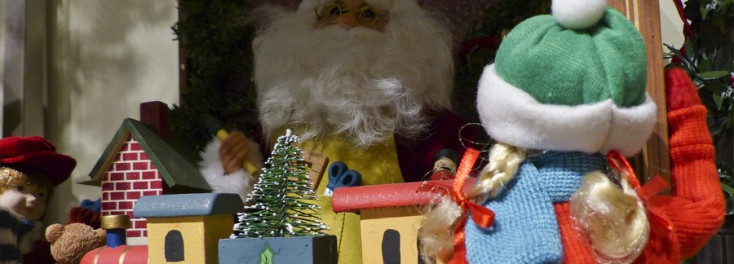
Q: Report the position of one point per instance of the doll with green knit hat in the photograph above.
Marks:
(565, 100)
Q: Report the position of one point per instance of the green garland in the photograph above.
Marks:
(216, 38)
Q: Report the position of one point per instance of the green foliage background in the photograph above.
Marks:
(480, 46)
(216, 38)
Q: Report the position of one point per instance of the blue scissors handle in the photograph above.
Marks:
(341, 176)
(349, 178)
(335, 169)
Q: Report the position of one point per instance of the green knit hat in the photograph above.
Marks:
(557, 65)
(577, 72)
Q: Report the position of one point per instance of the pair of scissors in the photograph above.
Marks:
(341, 176)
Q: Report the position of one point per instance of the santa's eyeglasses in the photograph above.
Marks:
(329, 13)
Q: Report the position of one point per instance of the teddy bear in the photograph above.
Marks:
(69, 243)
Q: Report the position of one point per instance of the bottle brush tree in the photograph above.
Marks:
(279, 204)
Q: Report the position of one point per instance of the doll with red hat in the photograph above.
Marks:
(29, 169)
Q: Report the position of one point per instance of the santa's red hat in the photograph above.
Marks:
(36, 154)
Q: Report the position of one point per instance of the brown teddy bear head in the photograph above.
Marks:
(69, 243)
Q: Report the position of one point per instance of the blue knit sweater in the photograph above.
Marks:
(525, 228)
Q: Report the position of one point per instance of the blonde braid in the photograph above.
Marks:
(612, 216)
(503, 163)
(437, 232)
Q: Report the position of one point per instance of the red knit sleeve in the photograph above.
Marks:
(697, 206)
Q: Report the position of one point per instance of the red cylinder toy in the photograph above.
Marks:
(123, 254)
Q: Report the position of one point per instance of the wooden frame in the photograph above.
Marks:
(645, 14)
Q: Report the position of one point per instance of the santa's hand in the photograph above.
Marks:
(233, 152)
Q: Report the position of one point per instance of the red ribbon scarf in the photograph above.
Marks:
(480, 214)
(662, 244)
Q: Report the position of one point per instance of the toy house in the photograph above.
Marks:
(390, 217)
(185, 228)
(136, 163)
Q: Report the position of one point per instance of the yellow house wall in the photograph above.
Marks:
(192, 231)
(200, 235)
(405, 220)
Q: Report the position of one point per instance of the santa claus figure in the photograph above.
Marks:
(367, 83)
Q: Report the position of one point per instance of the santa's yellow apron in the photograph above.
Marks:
(378, 164)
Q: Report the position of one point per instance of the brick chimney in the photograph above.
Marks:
(155, 113)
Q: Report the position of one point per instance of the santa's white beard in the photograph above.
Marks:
(360, 84)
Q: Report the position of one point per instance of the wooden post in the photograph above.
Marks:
(183, 79)
(645, 14)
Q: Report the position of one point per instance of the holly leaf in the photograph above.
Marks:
(676, 53)
(728, 189)
(266, 257)
(718, 100)
(712, 75)
(690, 49)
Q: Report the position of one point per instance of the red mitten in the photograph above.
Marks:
(679, 89)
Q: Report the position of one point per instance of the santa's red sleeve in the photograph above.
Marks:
(696, 208)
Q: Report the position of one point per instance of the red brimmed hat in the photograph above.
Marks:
(36, 154)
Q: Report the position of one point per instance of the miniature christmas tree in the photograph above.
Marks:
(278, 205)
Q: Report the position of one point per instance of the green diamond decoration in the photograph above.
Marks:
(266, 257)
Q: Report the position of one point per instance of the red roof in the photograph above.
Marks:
(390, 195)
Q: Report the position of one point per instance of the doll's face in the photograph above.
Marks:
(26, 201)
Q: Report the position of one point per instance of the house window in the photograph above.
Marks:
(174, 248)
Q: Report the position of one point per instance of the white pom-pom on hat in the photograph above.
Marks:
(578, 14)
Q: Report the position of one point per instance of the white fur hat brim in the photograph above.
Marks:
(512, 116)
